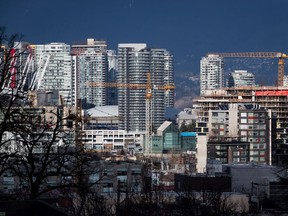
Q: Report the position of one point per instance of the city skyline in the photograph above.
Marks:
(188, 29)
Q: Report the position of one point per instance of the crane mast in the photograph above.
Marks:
(148, 101)
(148, 119)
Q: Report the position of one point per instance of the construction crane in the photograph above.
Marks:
(148, 119)
(41, 68)
(17, 72)
(148, 99)
(279, 55)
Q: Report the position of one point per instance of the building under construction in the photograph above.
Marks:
(273, 98)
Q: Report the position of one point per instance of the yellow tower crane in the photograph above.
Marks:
(279, 55)
(148, 98)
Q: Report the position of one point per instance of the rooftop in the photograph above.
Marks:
(103, 111)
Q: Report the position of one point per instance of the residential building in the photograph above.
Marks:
(228, 152)
(211, 73)
(169, 78)
(201, 128)
(241, 122)
(91, 71)
(135, 63)
(255, 128)
(54, 69)
(186, 117)
(133, 67)
(162, 74)
(118, 176)
(112, 93)
(241, 78)
(271, 98)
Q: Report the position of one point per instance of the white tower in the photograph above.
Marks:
(211, 73)
(55, 68)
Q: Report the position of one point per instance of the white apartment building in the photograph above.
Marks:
(54, 69)
(211, 73)
(135, 61)
(113, 141)
(91, 69)
(131, 102)
(169, 78)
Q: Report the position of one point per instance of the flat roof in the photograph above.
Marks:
(103, 111)
(188, 134)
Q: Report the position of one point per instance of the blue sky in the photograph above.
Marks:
(187, 28)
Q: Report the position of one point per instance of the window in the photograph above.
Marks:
(261, 121)
(255, 127)
(243, 127)
(243, 114)
(261, 146)
(250, 120)
(121, 173)
(255, 133)
(244, 139)
(243, 120)
(262, 159)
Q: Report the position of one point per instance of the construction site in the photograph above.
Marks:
(274, 98)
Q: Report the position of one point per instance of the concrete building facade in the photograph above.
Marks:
(271, 98)
(241, 78)
(91, 69)
(131, 102)
(112, 93)
(135, 62)
(186, 117)
(242, 123)
(211, 73)
(54, 69)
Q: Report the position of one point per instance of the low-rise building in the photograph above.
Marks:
(122, 176)
(188, 141)
(186, 117)
(113, 141)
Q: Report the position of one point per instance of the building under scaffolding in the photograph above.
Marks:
(273, 98)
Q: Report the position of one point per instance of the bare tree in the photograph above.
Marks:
(37, 143)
